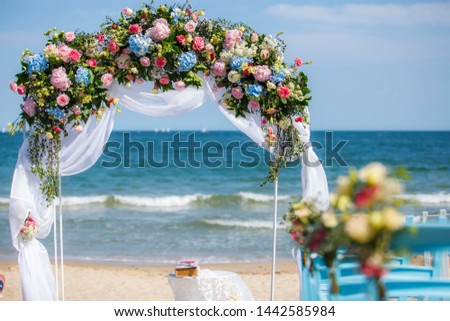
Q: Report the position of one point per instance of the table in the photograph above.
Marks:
(210, 286)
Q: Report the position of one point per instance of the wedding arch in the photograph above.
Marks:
(157, 61)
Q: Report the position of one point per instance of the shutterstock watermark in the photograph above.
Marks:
(188, 151)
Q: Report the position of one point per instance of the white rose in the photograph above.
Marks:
(358, 228)
(393, 220)
(234, 76)
(373, 173)
(329, 219)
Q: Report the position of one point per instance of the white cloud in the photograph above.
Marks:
(437, 13)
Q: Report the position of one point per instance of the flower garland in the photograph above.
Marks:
(68, 81)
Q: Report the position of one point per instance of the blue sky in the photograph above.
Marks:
(378, 65)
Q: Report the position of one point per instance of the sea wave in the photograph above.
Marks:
(254, 224)
(429, 199)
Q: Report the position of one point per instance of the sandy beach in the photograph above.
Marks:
(108, 282)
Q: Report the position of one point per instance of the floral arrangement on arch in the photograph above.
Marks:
(28, 230)
(67, 82)
(362, 218)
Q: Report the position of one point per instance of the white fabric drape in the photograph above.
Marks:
(80, 151)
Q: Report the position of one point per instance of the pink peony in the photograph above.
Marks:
(139, 81)
(70, 36)
(78, 128)
(180, 84)
(51, 50)
(190, 26)
(21, 90)
(160, 62)
(181, 39)
(237, 92)
(298, 62)
(123, 61)
(134, 28)
(254, 37)
(113, 47)
(253, 104)
(76, 110)
(126, 51)
(62, 100)
(29, 107)
(219, 68)
(92, 63)
(232, 37)
(13, 86)
(100, 38)
(209, 48)
(75, 55)
(265, 54)
(64, 52)
(145, 61)
(198, 44)
(160, 30)
(262, 73)
(164, 80)
(106, 79)
(283, 92)
(59, 79)
(127, 12)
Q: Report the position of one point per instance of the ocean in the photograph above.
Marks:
(148, 202)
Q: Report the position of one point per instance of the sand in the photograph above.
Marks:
(107, 282)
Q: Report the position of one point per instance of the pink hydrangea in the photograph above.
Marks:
(64, 52)
(284, 92)
(253, 104)
(13, 86)
(219, 68)
(262, 73)
(232, 37)
(29, 107)
(180, 84)
(123, 61)
(107, 79)
(237, 92)
(59, 79)
(190, 26)
(62, 100)
(70, 36)
(160, 30)
(198, 44)
(145, 61)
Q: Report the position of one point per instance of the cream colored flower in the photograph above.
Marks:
(303, 212)
(393, 220)
(329, 219)
(376, 220)
(344, 185)
(358, 228)
(373, 173)
(343, 202)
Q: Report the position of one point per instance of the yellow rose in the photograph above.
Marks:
(358, 228)
(393, 220)
(373, 173)
(49, 135)
(376, 220)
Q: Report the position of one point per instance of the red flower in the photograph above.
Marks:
(113, 47)
(317, 239)
(283, 92)
(134, 28)
(198, 44)
(181, 39)
(110, 101)
(114, 26)
(100, 38)
(188, 12)
(75, 55)
(213, 56)
(56, 129)
(160, 62)
(374, 271)
(366, 196)
(298, 62)
(298, 119)
(92, 63)
(21, 90)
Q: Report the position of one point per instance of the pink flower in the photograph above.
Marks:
(75, 55)
(195, 16)
(70, 36)
(209, 48)
(198, 44)
(180, 84)
(113, 47)
(139, 81)
(100, 38)
(298, 119)
(181, 39)
(29, 107)
(271, 111)
(265, 53)
(160, 30)
(237, 92)
(134, 28)
(62, 100)
(190, 26)
(64, 52)
(253, 104)
(127, 12)
(262, 73)
(283, 92)
(56, 129)
(92, 63)
(21, 90)
(254, 37)
(13, 86)
(219, 68)
(123, 61)
(298, 62)
(59, 79)
(129, 77)
(144, 61)
(78, 128)
(160, 62)
(76, 110)
(270, 131)
(51, 50)
(264, 121)
(164, 80)
(232, 37)
(106, 79)
(126, 51)
(372, 270)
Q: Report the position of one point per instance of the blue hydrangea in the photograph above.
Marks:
(140, 44)
(83, 76)
(255, 90)
(278, 77)
(37, 63)
(237, 61)
(176, 15)
(187, 61)
(56, 113)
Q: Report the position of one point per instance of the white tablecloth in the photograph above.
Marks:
(210, 286)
